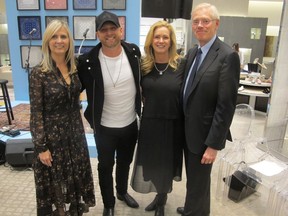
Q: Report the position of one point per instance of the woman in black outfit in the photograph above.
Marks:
(159, 153)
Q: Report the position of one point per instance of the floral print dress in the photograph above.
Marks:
(56, 125)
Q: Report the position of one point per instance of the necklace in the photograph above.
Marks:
(161, 71)
(65, 74)
(114, 83)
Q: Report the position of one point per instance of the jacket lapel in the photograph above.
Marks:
(209, 59)
(190, 59)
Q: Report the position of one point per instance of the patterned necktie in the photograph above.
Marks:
(192, 76)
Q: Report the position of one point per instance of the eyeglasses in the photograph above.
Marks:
(204, 22)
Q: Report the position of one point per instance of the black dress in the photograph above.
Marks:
(159, 153)
(56, 125)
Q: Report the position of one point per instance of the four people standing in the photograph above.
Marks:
(209, 101)
(159, 153)
(110, 73)
(61, 165)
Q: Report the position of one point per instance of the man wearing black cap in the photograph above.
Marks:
(110, 73)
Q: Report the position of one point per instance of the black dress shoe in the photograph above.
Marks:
(180, 210)
(129, 200)
(159, 211)
(159, 199)
(108, 212)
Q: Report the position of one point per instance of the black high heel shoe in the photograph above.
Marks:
(158, 198)
(159, 210)
(60, 212)
(78, 210)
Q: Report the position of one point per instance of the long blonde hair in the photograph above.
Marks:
(47, 62)
(149, 59)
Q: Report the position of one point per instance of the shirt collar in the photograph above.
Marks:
(207, 46)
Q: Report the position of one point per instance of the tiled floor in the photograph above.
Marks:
(17, 192)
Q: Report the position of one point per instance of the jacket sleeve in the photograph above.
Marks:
(226, 101)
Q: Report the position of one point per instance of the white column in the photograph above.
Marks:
(278, 110)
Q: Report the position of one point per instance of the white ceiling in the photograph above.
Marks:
(252, 8)
(270, 9)
(267, 0)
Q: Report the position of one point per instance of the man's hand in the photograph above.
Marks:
(209, 156)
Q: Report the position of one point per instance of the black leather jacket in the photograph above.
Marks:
(90, 74)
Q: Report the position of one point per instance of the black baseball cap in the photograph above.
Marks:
(104, 17)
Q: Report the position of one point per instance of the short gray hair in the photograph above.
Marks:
(213, 10)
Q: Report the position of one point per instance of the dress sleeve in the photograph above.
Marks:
(36, 90)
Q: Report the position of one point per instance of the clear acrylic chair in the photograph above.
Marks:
(260, 185)
(241, 131)
(273, 171)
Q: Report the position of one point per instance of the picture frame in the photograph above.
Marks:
(26, 24)
(122, 21)
(56, 4)
(48, 19)
(84, 49)
(114, 4)
(81, 24)
(28, 5)
(35, 55)
(84, 5)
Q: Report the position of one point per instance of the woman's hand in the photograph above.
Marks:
(46, 158)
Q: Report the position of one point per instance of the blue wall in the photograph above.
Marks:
(20, 77)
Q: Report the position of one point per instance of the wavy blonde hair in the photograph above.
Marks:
(47, 62)
(148, 60)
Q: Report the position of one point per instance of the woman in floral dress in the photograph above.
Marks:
(62, 169)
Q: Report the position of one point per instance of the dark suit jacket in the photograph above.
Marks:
(212, 99)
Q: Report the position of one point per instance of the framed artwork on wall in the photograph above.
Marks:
(114, 4)
(84, 24)
(35, 55)
(122, 21)
(84, 49)
(48, 19)
(29, 27)
(28, 5)
(55, 4)
(84, 4)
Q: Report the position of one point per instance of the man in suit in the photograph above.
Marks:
(209, 100)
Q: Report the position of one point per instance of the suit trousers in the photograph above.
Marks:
(197, 201)
(114, 143)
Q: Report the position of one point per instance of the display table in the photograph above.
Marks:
(253, 90)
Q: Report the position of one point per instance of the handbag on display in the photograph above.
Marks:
(242, 183)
